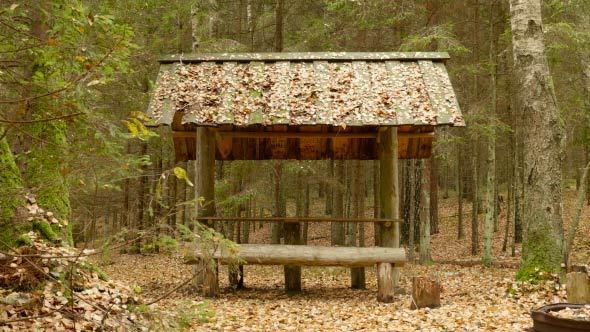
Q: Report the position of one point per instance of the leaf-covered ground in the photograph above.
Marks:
(474, 298)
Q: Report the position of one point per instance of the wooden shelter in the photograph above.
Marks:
(307, 106)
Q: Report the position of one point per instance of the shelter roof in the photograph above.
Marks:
(344, 89)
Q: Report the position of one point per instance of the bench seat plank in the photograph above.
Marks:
(280, 254)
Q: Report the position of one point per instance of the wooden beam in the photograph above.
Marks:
(389, 199)
(280, 254)
(274, 134)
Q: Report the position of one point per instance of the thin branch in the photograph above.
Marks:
(42, 120)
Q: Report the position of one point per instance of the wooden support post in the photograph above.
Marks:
(292, 272)
(388, 275)
(205, 189)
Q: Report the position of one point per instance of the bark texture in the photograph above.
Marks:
(543, 140)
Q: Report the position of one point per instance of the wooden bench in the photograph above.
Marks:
(385, 258)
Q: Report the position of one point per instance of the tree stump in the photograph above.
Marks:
(578, 287)
(425, 293)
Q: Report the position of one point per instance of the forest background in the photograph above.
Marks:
(76, 78)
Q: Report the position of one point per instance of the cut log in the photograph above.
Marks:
(269, 254)
(425, 293)
(578, 288)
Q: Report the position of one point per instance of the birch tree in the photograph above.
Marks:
(543, 140)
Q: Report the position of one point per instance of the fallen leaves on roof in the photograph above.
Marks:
(348, 93)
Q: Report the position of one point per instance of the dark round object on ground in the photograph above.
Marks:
(544, 322)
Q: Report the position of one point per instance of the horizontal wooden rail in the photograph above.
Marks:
(297, 219)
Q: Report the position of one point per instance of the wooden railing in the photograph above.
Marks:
(387, 222)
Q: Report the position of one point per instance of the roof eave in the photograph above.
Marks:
(305, 56)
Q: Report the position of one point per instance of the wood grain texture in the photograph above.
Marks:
(271, 254)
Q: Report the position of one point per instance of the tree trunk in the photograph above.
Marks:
(544, 139)
(474, 212)
(376, 202)
(337, 228)
(460, 227)
(491, 195)
(434, 169)
(357, 274)
(306, 213)
(425, 257)
(277, 202)
(330, 189)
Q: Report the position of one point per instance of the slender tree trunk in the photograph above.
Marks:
(141, 195)
(460, 226)
(357, 274)
(425, 257)
(306, 212)
(491, 195)
(434, 169)
(571, 236)
(544, 141)
(330, 189)
(376, 202)
(279, 15)
(510, 183)
(337, 228)
(474, 210)
(276, 226)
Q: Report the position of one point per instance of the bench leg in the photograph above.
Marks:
(385, 286)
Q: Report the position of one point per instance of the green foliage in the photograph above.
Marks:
(186, 234)
(165, 243)
(208, 241)
(437, 38)
(180, 173)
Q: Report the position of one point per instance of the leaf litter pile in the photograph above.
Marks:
(47, 285)
(473, 297)
(582, 313)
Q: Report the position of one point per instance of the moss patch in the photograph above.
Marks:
(45, 229)
(541, 252)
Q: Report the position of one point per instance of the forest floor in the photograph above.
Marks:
(474, 298)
